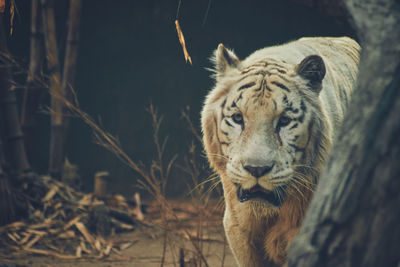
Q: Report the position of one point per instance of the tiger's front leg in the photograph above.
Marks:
(245, 251)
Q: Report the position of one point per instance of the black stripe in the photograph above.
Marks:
(274, 63)
(282, 77)
(225, 133)
(261, 86)
(262, 72)
(284, 99)
(301, 118)
(281, 71)
(274, 104)
(294, 126)
(225, 143)
(294, 146)
(248, 70)
(223, 104)
(303, 106)
(227, 122)
(246, 86)
(240, 97)
(233, 104)
(297, 149)
(281, 86)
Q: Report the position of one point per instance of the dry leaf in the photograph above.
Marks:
(25, 239)
(32, 242)
(86, 200)
(36, 232)
(67, 234)
(50, 253)
(182, 41)
(82, 228)
(72, 222)
(138, 210)
(126, 245)
(12, 237)
(78, 252)
(12, 226)
(50, 194)
(84, 248)
(2, 5)
(97, 245)
(108, 249)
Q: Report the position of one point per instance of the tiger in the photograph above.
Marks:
(268, 125)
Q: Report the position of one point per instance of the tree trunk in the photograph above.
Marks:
(34, 88)
(15, 154)
(354, 218)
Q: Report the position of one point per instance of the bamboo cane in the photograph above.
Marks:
(58, 89)
(57, 129)
(33, 90)
(15, 154)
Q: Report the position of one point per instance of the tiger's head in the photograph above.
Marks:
(263, 128)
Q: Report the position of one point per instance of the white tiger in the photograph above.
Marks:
(268, 126)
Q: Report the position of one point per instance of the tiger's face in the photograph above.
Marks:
(263, 124)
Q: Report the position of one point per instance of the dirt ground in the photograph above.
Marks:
(146, 244)
(146, 251)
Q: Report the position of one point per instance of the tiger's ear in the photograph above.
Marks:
(224, 60)
(312, 68)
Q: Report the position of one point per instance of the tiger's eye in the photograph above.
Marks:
(237, 118)
(284, 121)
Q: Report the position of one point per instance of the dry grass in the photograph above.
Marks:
(154, 177)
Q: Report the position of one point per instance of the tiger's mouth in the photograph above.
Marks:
(275, 197)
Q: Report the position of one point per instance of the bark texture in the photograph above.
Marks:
(354, 217)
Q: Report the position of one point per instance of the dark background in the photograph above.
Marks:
(130, 56)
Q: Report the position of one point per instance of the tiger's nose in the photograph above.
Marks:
(258, 171)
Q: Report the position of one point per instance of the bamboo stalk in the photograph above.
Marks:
(14, 150)
(71, 53)
(57, 131)
(100, 184)
(15, 154)
(33, 90)
(60, 89)
(69, 70)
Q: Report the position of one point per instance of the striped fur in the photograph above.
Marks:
(280, 107)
